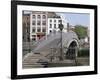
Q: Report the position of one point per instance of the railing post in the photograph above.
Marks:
(76, 52)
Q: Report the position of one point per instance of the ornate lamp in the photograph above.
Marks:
(61, 28)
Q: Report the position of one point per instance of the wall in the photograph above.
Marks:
(5, 29)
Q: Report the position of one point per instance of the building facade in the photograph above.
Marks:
(53, 25)
(26, 27)
(38, 25)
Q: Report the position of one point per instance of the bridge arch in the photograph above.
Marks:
(71, 47)
(72, 50)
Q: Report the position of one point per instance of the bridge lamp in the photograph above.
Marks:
(61, 28)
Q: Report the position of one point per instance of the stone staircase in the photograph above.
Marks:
(31, 61)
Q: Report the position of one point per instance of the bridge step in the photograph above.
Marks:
(33, 66)
(30, 61)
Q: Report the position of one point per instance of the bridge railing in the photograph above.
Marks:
(68, 54)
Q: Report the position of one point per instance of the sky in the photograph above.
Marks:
(76, 18)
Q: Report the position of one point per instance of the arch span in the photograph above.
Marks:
(71, 52)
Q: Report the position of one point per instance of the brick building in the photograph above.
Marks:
(26, 27)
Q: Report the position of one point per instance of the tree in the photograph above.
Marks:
(81, 31)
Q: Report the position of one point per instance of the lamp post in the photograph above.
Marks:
(61, 28)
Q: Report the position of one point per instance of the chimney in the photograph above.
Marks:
(68, 27)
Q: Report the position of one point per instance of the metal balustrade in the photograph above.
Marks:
(70, 54)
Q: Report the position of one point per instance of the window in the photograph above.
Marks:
(34, 16)
(34, 36)
(50, 31)
(44, 30)
(38, 30)
(60, 21)
(38, 22)
(33, 23)
(50, 20)
(54, 20)
(33, 30)
(44, 16)
(54, 25)
(33, 39)
(50, 25)
(39, 17)
(44, 23)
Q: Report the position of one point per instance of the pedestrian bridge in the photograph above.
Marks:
(49, 48)
(54, 41)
